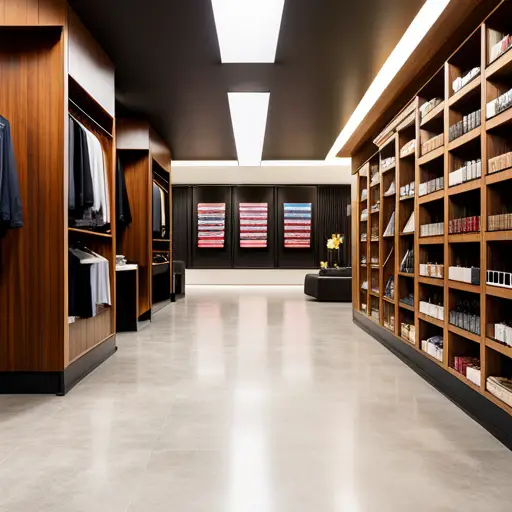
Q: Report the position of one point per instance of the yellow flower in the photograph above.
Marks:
(330, 243)
(323, 264)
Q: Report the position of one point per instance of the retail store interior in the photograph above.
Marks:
(255, 255)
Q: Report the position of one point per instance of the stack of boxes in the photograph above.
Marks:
(465, 125)
(471, 170)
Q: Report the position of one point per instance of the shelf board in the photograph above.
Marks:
(406, 198)
(465, 237)
(408, 155)
(431, 155)
(375, 266)
(160, 264)
(406, 306)
(501, 64)
(390, 195)
(464, 334)
(498, 291)
(499, 347)
(464, 379)
(436, 112)
(388, 236)
(465, 187)
(433, 196)
(428, 356)
(498, 236)
(374, 293)
(160, 240)
(431, 320)
(89, 232)
(464, 287)
(374, 212)
(436, 281)
(387, 299)
(362, 265)
(409, 342)
(464, 139)
(406, 274)
(374, 184)
(475, 83)
(498, 176)
(431, 240)
(409, 233)
(390, 168)
(502, 118)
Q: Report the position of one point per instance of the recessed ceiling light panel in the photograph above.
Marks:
(249, 118)
(248, 30)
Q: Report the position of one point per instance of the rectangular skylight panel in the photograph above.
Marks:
(249, 118)
(248, 30)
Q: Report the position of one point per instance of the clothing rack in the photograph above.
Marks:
(88, 117)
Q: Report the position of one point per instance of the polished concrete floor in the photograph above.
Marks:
(249, 400)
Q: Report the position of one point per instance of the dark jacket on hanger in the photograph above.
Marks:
(157, 210)
(11, 214)
(123, 211)
(81, 170)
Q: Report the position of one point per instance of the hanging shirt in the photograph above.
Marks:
(157, 210)
(11, 214)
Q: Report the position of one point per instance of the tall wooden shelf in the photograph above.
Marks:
(488, 195)
(145, 157)
(51, 66)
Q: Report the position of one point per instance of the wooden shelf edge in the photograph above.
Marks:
(475, 83)
(91, 348)
(467, 186)
(498, 176)
(435, 281)
(464, 139)
(465, 287)
(406, 306)
(498, 347)
(433, 114)
(431, 155)
(463, 333)
(406, 274)
(498, 236)
(426, 240)
(499, 119)
(433, 196)
(498, 64)
(90, 233)
(498, 291)
(431, 320)
(465, 238)
(387, 299)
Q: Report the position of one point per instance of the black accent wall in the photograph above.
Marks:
(329, 215)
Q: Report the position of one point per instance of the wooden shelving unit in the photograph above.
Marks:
(484, 196)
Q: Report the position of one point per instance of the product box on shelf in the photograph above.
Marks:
(502, 333)
(408, 148)
(501, 222)
(470, 275)
(501, 279)
(499, 163)
(434, 229)
(432, 270)
(432, 310)
(460, 82)
(466, 321)
(434, 347)
(464, 225)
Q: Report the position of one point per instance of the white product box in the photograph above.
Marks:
(474, 375)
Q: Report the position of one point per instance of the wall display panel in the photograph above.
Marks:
(296, 227)
(332, 218)
(211, 234)
(211, 221)
(253, 219)
(254, 257)
(181, 223)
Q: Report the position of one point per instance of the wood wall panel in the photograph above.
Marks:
(135, 241)
(89, 65)
(87, 333)
(33, 12)
(32, 258)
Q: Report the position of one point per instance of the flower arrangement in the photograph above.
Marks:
(333, 244)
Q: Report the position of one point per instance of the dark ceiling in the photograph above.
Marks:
(168, 68)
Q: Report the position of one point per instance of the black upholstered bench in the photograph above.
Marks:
(330, 285)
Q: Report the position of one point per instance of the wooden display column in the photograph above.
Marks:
(43, 56)
(144, 155)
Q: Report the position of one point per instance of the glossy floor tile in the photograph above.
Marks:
(249, 399)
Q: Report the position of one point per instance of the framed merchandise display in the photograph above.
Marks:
(253, 225)
(211, 220)
(297, 225)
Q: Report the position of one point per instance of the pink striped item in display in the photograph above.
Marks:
(253, 225)
(211, 221)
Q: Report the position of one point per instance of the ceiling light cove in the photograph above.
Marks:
(248, 30)
(249, 118)
(413, 36)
